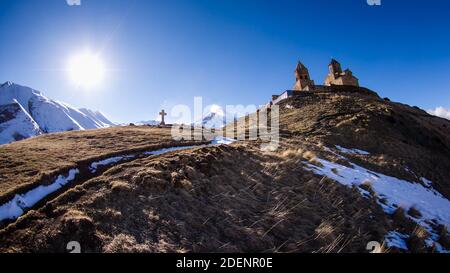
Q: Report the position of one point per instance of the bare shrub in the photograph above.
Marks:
(399, 214)
(413, 212)
(312, 158)
(416, 241)
(368, 186)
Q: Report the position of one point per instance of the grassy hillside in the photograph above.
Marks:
(318, 192)
(25, 164)
(402, 140)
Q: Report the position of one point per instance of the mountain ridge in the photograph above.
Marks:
(33, 108)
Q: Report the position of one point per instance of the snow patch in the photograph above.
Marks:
(432, 242)
(395, 192)
(215, 141)
(396, 239)
(222, 140)
(167, 150)
(112, 160)
(407, 169)
(392, 193)
(351, 151)
(427, 182)
(16, 207)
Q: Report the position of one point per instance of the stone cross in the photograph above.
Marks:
(163, 113)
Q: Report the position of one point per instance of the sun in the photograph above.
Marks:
(86, 70)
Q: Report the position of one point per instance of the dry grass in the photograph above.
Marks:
(216, 199)
(232, 198)
(35, 160)
(120, 187)
(395, 134)
(75, 217)
(324, 230)
(416, 241)
(124, 243)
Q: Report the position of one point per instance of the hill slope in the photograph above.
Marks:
(351, 168)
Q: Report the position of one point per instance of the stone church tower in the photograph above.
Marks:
(303, 80)
(337, 77)
(335, 68)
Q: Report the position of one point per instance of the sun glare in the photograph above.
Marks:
(86, 70)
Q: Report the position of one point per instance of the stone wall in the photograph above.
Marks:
(323, 88)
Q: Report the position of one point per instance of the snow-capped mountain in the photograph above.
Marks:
(16, 123)
(214, 118)
(25, 112)
(141, 123)
(98, 117)
(148, 122)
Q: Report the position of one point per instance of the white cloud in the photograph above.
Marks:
(440, 112)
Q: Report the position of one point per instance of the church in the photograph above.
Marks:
(336, 77)
(303, 81)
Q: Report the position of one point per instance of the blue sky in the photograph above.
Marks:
(162, 53)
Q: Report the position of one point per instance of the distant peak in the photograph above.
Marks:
(216, 109)
(13, 85)
(8, 83)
